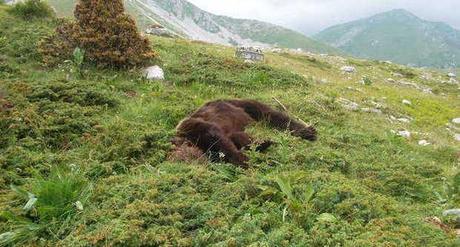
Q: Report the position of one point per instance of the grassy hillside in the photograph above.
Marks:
(398, 36)
(101, 141)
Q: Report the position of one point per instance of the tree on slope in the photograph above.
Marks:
(107, 34)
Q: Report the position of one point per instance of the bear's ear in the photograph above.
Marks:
(178, 141)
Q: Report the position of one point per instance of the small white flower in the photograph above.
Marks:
(79, 205)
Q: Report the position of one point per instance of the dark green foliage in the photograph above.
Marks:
(50, 115)
(71, 94)
(30, 9)
(6, 68)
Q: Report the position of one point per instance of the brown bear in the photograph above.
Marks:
(217, 129)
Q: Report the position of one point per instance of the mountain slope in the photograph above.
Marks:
(186, 20)
(397, 36)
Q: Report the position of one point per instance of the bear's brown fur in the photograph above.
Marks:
(217, 129)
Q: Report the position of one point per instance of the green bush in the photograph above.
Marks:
(49, 208)
(367, 81)
(32, 9)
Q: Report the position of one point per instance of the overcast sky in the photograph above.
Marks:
(311, 16)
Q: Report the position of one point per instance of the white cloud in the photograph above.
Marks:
(310, 16)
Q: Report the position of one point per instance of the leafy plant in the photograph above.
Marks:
(367, 81)
(451, 192)
(50, 207)
(78, 57)
(32, 9)
(296, 203)
(2, 42)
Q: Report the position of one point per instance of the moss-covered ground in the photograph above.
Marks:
(359, 185)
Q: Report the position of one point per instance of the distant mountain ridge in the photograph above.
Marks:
(398, 36)
(185, 19)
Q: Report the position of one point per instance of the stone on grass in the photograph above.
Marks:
(372, 110)
(424, 143)
(452, 212)
(456, 120)
(349, 105)
(154, 73)
(406, 102)
(452, 81)
(404, 120)
(404, 133)
(348, 69)
(452, 75)
(457, 137)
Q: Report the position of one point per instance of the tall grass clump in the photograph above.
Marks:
(32, 9)
(108, 36)
(50, 205)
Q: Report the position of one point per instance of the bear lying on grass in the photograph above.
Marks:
(217, 129)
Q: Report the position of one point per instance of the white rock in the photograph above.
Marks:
(457, 137)
(371, 110)
(424, 143)
(451, 75)
(404, 120)
(406, 102)
(391, 80)
(348, 69)
(456, 120)
(154, 73)
(352, 106)
(427, 90)
(451, 212)
(452, 81)
(404, 133)
(348, 104)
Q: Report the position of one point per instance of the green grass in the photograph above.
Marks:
(49, 209)
(360, 184)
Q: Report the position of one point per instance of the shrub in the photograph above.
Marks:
(32, 9)
(367, 81)
(49, 209)
(109, 37)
